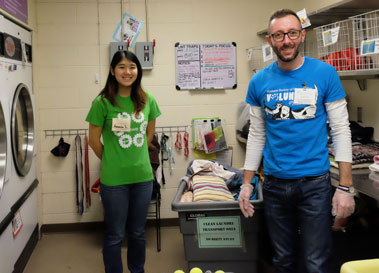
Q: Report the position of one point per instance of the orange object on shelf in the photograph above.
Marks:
(348, 59)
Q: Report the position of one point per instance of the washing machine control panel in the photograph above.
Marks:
(12, 48)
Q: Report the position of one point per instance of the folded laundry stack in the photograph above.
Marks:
(210, 180)
(363, 155)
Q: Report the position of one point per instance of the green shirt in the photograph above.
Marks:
(125, 158)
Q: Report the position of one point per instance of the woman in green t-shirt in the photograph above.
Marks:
(124, 115)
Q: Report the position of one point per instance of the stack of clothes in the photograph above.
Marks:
(210, 180)
(363, 155)
(364, 147)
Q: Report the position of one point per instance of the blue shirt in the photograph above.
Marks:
(296, 132)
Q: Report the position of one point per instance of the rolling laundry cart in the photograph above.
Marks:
(217, 236)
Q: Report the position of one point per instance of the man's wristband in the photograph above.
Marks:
(346, 189)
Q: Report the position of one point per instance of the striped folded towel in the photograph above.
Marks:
(210, 188)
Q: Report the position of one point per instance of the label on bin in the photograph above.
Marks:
(219, 232)
(192, 216)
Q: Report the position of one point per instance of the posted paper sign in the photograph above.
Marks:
(132, 28)
(330, 36)
(206, 66)
(267, 53)
(17, 8)
(369, 47)
(305, 22)
(219, 232)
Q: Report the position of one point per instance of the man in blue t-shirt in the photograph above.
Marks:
(290, 101)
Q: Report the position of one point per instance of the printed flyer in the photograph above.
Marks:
(132, 28)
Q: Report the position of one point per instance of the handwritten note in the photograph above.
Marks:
(206, 66)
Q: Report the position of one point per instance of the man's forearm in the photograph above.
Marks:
(346, 178)
(248, 175)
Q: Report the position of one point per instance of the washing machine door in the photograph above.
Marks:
(3, 148)
(22, 132)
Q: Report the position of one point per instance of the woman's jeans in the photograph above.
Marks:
(125, 208)
(299, 221)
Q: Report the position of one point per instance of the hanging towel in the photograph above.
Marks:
(87, 176)
(79, 175)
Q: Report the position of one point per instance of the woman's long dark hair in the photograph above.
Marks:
(110, 90)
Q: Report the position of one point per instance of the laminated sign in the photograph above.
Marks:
(217, 232)
(205, 66)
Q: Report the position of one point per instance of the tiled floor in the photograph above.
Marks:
(80, 252)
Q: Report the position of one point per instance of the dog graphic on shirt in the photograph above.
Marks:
(284, 112)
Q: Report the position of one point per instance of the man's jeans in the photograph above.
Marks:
(299, 220)
(125, 208)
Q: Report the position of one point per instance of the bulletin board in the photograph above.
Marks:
(205, 66)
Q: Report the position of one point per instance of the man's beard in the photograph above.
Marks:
(282, 58)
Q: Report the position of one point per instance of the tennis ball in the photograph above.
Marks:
(219, 271)
(196, 270)
(179, 271)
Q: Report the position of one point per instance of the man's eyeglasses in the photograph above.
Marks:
(279, 36)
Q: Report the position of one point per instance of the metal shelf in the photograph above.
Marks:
(359, 75)
(337, 12)
(341, 11)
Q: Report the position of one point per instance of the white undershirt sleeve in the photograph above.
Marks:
(256, 139)
(340, 129)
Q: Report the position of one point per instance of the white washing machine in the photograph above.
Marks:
(5, 144)
(18, 200)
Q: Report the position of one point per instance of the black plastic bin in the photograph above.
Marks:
(217, 236)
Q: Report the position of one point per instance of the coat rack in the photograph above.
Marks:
(65, 132)
(83, 132)
(171, 129)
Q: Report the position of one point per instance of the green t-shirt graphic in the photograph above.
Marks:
(125, 158)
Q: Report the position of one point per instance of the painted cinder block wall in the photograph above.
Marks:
(70, 41)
